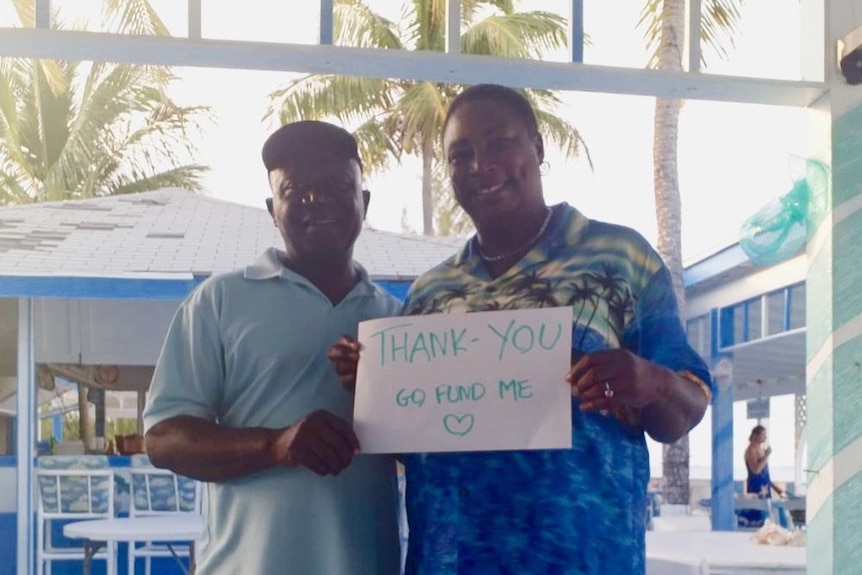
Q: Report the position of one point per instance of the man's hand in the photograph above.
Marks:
(320, 441)
(344, 355)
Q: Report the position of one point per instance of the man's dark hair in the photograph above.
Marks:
(504, 95)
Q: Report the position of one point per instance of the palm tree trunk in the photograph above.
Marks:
(675, 460)
(427, 187)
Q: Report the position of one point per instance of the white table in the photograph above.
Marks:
(185, 527)
(724, 552)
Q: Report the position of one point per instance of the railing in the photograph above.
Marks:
(451, 66)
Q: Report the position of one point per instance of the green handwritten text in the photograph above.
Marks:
(516, 389)
(458, 393)
(398, 344)
(524, 338)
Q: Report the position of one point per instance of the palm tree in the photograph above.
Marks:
(392, 117)
(73, 130)
(665, 32)
(448, 217)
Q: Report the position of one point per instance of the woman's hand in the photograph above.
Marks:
(611, 378)
(344, 355)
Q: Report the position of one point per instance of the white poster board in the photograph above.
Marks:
(465, 382)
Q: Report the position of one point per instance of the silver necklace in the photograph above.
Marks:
(526, 245)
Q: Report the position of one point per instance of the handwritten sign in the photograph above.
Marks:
(465, 382)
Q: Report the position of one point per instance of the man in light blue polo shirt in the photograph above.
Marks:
(244, 398)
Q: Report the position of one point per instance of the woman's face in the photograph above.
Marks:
(760, 437)
(493, 161)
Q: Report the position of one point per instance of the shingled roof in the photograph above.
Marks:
(171, 233)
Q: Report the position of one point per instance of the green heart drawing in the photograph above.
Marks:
(459, 425)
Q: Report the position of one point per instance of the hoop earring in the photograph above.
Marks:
(544, 168)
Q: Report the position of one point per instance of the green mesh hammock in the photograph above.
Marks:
(781, 228)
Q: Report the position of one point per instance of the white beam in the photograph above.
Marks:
(43, 14)
(25, 445)
(817, 54)
(428, 66)
(453, 26)
(692, 35)
(195, 17)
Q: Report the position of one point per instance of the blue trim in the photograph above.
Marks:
(726, 336)
(125, 288)
(722, 516)
(113, 460)
(725, 260)
(398, 289)
(97, 288)
(326, 22)
(576, 30)
(788, 299)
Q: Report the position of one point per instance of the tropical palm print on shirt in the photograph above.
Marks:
(573, 512)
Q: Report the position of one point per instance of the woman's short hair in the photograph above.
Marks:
(758, 429)
(514, 100)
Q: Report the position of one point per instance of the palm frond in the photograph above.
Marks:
(355, 24)
(112, 94)
(450, 218)
(188, 177)
(377, 145)
(719, 22)
(395, 117)
(519, 35)
(427, 25)
(26, 12)
(12, 190)
(563, 135)
(140, 150)
(133, 17)
(103, 134)
(470, 9)
(13, 88)
(46, 129)
(137, 17)
(504, 6)
(352, 99)
(420, 112)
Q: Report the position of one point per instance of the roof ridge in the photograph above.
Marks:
(174, 231)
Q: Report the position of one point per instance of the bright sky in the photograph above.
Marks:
(733, 158)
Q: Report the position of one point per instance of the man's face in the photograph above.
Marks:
(318, 207)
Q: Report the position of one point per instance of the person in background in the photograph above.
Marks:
(758, 482)
(243, 396)
(578, 511)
